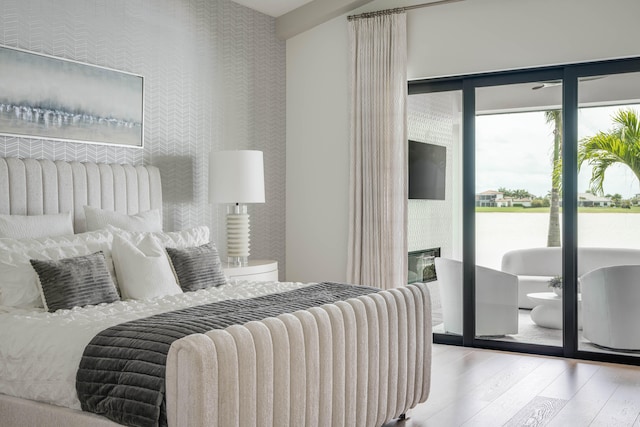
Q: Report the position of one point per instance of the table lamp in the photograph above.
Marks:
(237, 178)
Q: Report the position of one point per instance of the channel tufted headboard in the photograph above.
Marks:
(36, 187)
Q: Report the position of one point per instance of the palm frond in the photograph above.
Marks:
(619, 145)
(600, 166)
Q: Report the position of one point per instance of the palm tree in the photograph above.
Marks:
(618, 145)
(553, 235)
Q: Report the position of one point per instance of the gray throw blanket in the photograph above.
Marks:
(122, 371)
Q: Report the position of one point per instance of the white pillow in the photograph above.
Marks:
(143, 270)
(143, 221)
(35, 226)
(195, 236)
(18, 279)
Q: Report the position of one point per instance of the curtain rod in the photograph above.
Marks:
(400, 9)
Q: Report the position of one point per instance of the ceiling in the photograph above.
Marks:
(293, 17)
(273, 8)
(614, 89)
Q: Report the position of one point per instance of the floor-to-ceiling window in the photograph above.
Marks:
(544, 203)
(608, 220)
(518, 168)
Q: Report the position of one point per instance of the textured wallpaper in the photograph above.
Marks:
(214, 76)
(435, 118)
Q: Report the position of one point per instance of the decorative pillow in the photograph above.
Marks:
(18, 280)
(36, 226)
(143, 270)
(143, 221)
(197, 267)
(75, 282)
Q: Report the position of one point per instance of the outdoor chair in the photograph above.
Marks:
(610, 301)
(496, 299)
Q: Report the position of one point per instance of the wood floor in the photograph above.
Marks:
(475, 387)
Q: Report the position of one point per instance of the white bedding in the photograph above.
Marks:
(40, 352)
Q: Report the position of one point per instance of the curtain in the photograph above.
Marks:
(377, 253)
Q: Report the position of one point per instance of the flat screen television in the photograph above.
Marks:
(427, 170)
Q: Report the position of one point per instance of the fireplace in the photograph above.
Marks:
(421, 265)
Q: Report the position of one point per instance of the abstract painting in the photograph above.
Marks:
(51, 98)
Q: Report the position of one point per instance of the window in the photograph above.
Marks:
(527, 181)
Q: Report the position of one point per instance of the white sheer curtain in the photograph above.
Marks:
(377, 254)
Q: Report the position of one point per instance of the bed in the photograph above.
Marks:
(359, 361)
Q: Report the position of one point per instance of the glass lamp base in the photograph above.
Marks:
(237, 261)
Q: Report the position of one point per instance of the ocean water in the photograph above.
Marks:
(497, 233)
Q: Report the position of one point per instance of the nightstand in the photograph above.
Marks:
(256, 270)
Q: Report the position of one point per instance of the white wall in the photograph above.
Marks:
(317, 154)
(458, 38)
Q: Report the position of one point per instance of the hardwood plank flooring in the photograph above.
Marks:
(475, 387)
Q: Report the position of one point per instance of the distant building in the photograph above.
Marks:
(488, 198)
(503, 202)
(496, 199)
(591, 200)
(507, 202)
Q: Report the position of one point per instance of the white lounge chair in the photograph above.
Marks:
(496, 299)
(610, 301)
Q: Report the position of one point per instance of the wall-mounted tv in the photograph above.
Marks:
(427, 170)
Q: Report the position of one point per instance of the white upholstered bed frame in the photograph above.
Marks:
(36, 187)
(359, 362)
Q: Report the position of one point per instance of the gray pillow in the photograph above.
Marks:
(75, 282)
(197, 267)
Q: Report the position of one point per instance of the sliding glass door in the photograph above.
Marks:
(518, 146)
(609, 213)
(549, 185)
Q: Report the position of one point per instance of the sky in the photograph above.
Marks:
(514, 151)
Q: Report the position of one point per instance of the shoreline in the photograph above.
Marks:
(596, 210)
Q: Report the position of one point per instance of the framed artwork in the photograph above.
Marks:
(51, 98)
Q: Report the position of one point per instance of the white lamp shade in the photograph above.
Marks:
(236, 177)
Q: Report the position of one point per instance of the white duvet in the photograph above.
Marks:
(40, 352)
